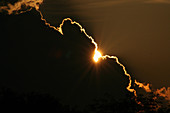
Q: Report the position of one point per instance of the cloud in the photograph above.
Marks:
(164, 92)
(19, 6)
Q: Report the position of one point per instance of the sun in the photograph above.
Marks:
(97, 55)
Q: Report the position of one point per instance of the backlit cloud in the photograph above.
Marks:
(19, 6)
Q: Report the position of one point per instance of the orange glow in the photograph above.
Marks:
(145, 87)
(164, 92)
(97, 55)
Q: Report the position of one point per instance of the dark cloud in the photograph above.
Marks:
(37, 58)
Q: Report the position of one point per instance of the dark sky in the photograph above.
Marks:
(136, 31)
(37, 58)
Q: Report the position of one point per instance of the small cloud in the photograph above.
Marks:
(20, 6)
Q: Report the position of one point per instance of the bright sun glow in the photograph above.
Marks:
(97, 55)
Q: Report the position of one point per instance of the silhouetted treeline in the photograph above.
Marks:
(31, 102)
(131, 104)
(36, 102)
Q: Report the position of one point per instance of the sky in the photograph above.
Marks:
(37, 58)
(136, 31)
